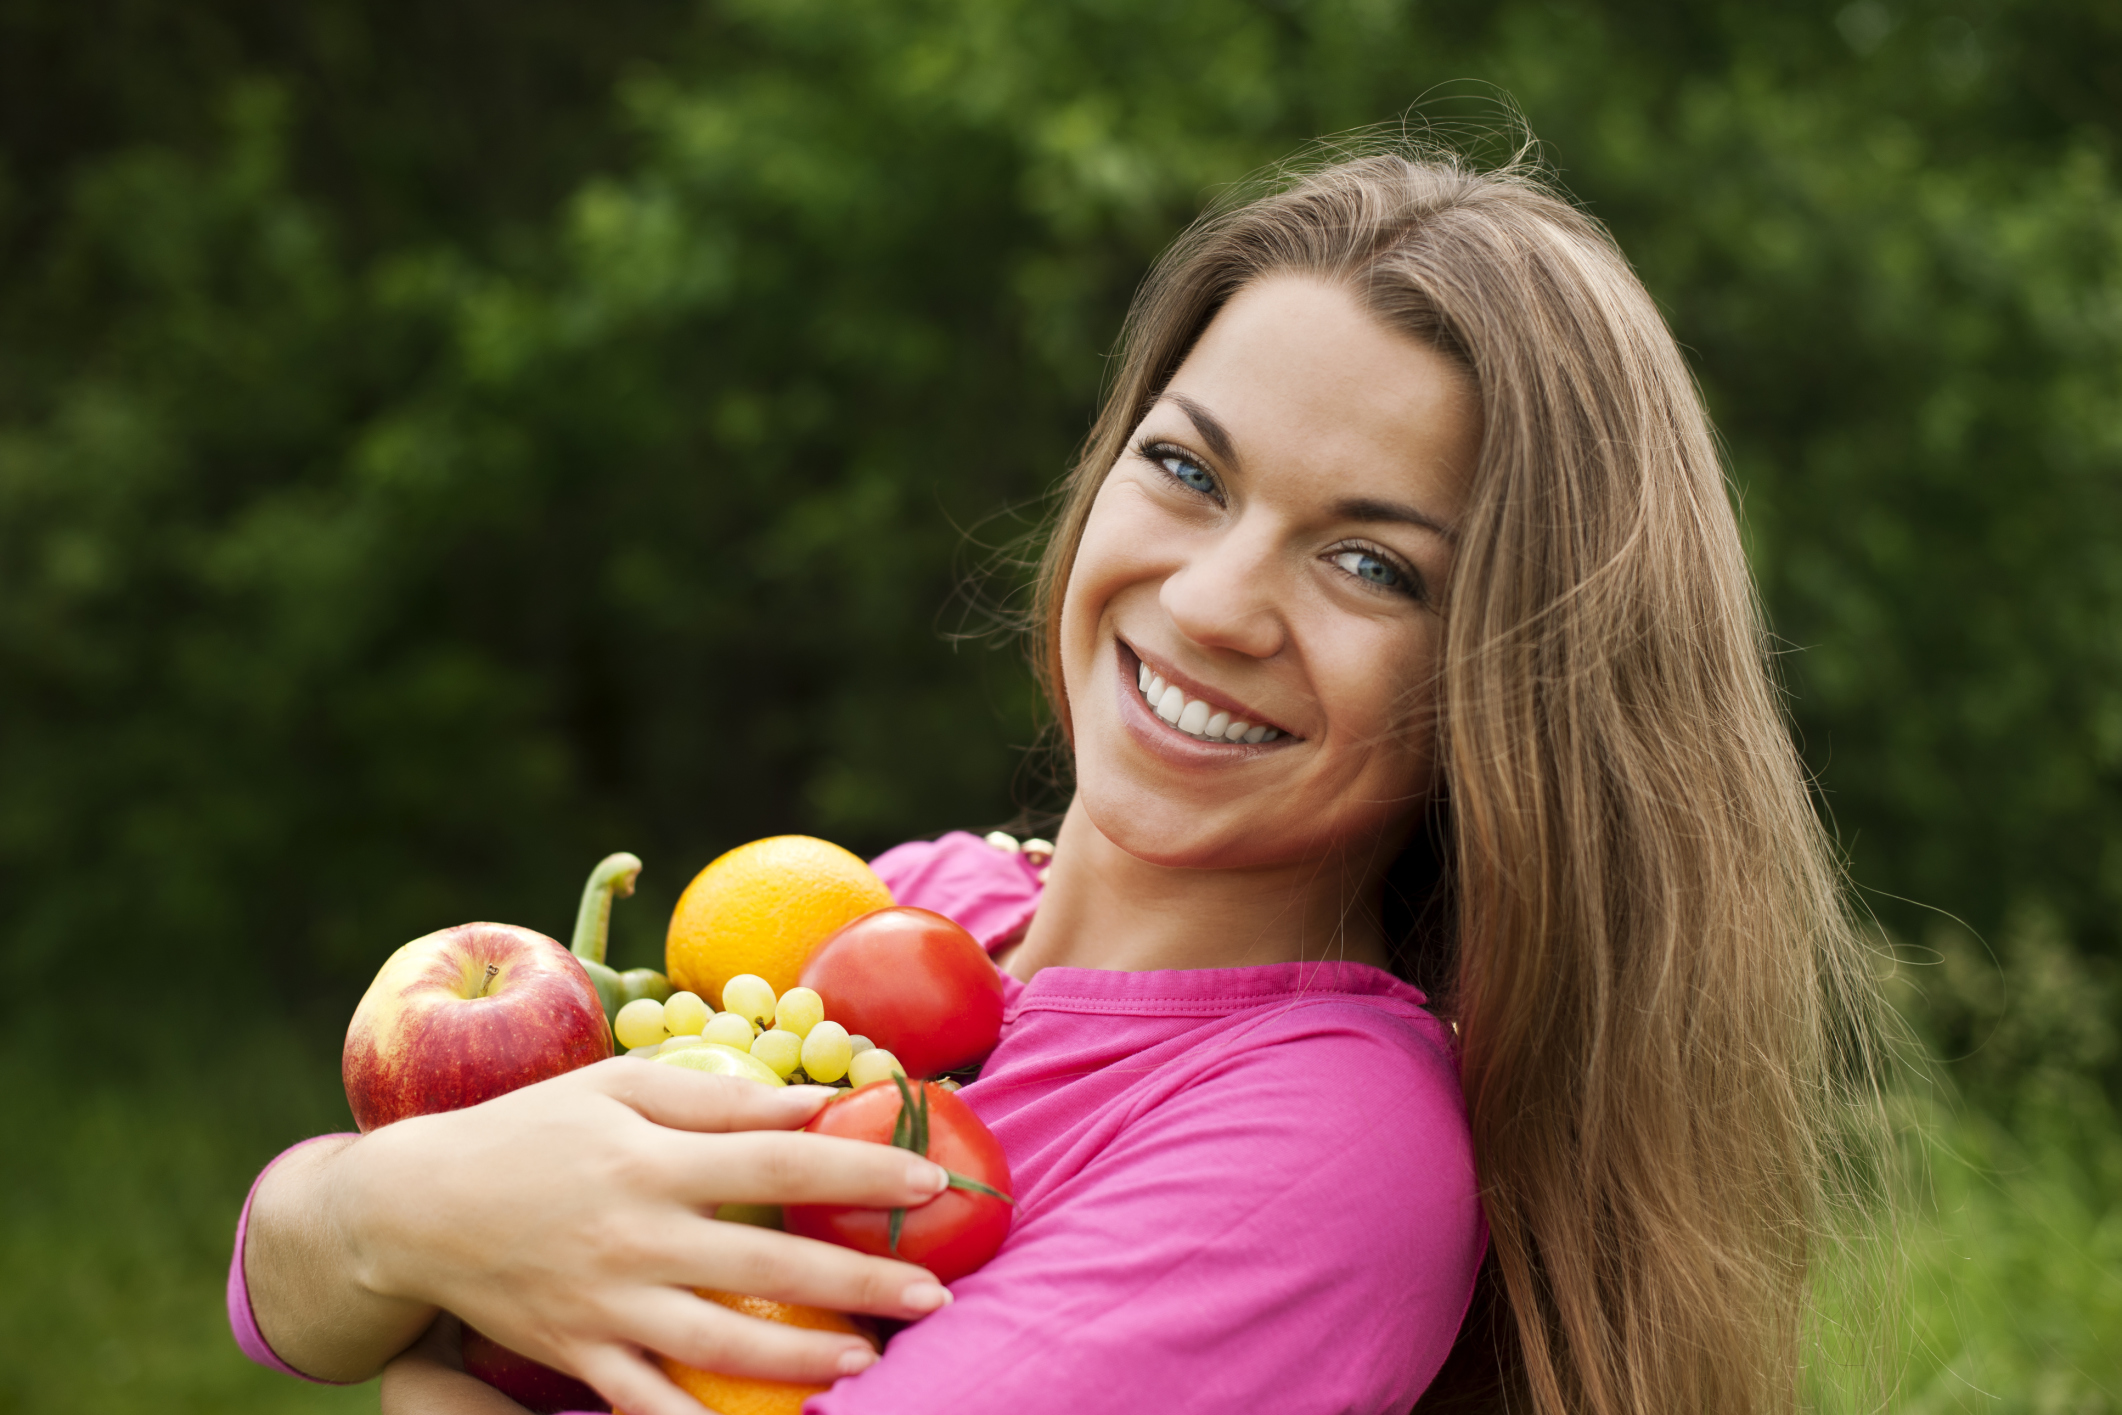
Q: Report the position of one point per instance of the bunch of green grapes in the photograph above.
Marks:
(789, 1033)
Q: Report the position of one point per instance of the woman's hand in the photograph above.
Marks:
(427, 1378)
(568, 1221)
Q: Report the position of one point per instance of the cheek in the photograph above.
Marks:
(1115, 552)
(1389, 705)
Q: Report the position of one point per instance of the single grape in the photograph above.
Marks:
(640, 1023)
(730, 1030)
(859, 1042)
(876, 1064)
(798, 1011)
(749, 996)
(779, 1050)
(684, 1014)
(646, 1053)
(826, 1052)
(681, 1043)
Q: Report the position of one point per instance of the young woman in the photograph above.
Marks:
(1397, 623)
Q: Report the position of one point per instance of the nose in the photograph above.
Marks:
(1227, 595)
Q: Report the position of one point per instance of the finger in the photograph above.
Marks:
(692, 1100)
(774, 1167)
(634, 1385)
(426, 1377)
(714, 1338)
(785, 1268)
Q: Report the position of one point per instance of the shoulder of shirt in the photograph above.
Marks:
(1347, 1034)
(1317, 1072)
(990, 892)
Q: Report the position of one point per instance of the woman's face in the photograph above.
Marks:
(1269, 551)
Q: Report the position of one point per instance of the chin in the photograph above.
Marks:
(1180, 835)
(1192, 829)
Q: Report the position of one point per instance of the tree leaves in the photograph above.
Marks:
(384, 538)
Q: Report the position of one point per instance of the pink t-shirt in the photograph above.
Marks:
(1237, 1188)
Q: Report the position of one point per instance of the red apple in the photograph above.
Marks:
(464, 1015)
(536, 1387)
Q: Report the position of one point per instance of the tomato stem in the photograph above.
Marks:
(974, 1186)
(910, 1132)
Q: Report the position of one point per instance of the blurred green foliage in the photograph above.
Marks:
(114, 1241)
(442, 444)
(436, 449)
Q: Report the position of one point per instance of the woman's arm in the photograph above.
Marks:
(567, 1221)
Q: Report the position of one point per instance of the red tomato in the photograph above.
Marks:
(951, 1234)
(914, 983)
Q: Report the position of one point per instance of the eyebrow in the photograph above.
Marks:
(1360, 508)
(1364, 508)
(1212, 431)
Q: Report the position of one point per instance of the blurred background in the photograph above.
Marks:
(442, 444)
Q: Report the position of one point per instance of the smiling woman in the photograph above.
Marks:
(1397, 625)
(1270, 562)
(1402, 462)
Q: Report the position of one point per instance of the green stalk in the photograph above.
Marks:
(614, 875)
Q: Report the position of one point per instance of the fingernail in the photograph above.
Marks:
(811, 1093)
(925, 1178)
(856, 1359)
(925, 1297)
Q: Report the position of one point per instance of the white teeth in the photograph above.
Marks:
(1194, 716)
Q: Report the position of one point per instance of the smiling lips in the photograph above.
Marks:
(1194, 717)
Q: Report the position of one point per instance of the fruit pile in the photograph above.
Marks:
(819, 977)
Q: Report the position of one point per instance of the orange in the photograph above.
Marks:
(747, 1395)
(764, 908)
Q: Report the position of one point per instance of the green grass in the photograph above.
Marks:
(121, 1201)
(122, 1195)
(2016, 1295)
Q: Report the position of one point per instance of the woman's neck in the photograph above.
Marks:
(1105, 908)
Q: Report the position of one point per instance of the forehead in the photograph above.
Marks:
(1312, 386)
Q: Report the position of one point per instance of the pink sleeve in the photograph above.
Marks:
(990, 893)
(241, 1319)
(1255, 1241)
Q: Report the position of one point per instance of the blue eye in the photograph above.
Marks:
(1192, 475)
(1184, 469)
(1365, 566)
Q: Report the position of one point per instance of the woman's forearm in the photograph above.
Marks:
(304, 1266)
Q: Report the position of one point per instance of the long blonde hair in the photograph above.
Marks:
(1665, 1011)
